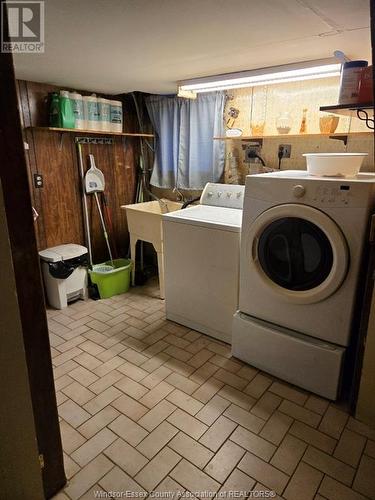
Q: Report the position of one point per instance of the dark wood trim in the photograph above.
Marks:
(28, 136)
(368, 279)
(14, 180)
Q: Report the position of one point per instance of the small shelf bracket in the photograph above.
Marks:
(125, 140)
(363, 116)
(61, 142)
(343, 138)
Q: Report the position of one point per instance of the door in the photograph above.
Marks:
(30, 298)
(299, 253)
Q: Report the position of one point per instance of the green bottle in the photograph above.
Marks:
(66, 110)
(54, 110)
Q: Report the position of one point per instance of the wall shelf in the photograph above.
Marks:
(363, 112)
(285, 136)
(95, 132)
(348, 109)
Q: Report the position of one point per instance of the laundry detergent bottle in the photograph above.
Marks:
(66, 110)
(91, 112)
(54, 110)
(77, 104)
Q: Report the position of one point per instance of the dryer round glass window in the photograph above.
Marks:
(295, 253)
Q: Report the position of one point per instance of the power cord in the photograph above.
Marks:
(253, 154)
(280, 155)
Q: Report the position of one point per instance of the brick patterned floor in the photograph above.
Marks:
(148, 405)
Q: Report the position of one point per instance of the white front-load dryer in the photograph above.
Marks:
(302, 243)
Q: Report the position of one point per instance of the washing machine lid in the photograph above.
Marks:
(226, 219)
(62, 252)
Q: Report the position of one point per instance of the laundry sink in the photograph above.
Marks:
(145, 223)
(144, 219)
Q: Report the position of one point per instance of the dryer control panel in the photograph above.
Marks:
(292, 186)
(332, 194)
(322, 194)
(223, 195)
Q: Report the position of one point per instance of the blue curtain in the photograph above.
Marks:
(186, 155)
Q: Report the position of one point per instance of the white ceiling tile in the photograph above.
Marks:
(122, 45)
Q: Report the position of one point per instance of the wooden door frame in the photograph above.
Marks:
(18, 208)
(364, 398)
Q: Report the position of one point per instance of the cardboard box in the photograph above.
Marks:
(366, 86)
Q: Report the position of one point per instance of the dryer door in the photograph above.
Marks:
(299, 253)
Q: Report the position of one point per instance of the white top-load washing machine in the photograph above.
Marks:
(302, 245)
(201, 259)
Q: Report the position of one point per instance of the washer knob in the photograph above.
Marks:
(298, 191)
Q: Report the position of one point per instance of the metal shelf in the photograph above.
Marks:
(349, 109)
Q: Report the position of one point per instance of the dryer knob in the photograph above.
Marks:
(298, 191)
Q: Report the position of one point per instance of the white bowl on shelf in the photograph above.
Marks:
(334, 164)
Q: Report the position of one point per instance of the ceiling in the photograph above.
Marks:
(116, 46)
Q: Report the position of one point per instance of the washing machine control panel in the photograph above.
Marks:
(223, 195)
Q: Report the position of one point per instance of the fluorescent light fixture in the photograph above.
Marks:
(309, 70)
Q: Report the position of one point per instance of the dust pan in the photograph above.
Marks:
(94, 178)
(94, 184)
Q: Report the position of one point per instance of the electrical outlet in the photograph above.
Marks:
(252, 148)
(286, 150)
(38, 180)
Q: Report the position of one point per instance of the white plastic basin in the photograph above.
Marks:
(145, 223)
(144, 219)
(334, 164)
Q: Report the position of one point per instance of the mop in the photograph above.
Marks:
(94, 184)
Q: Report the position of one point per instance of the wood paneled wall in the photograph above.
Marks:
(54, 156)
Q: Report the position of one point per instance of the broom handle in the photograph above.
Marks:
(108, 218)
(84, 203)
(103, 226)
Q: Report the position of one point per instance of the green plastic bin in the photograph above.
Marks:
(111, 282)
